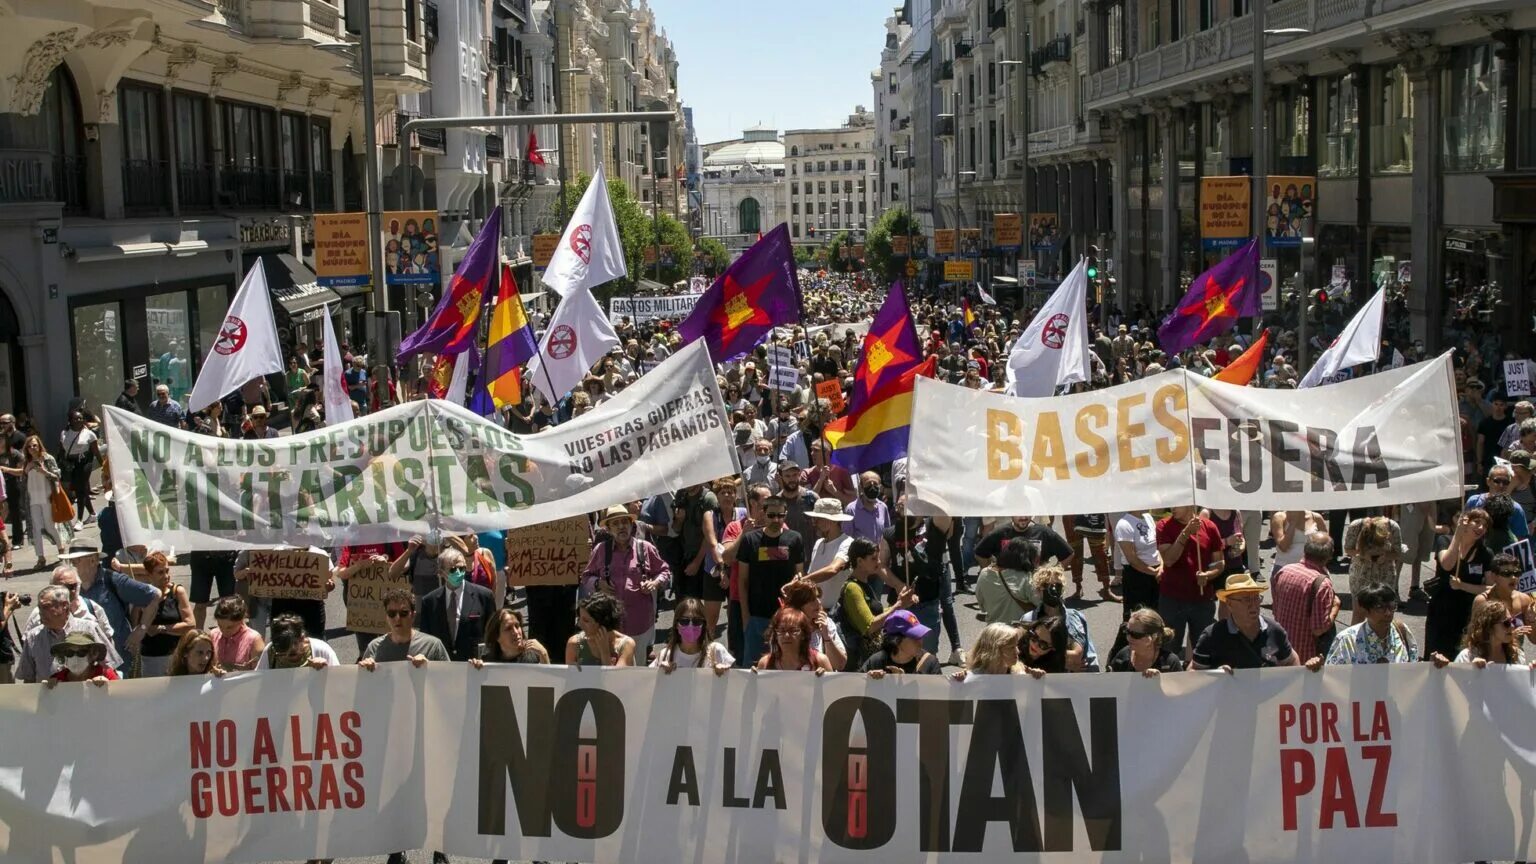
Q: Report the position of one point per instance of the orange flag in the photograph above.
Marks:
(1241, 370)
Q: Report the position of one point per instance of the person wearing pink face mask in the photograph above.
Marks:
(686, 646)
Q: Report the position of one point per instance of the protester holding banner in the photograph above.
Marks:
(194, 655)
(901, 648)
(1502, 579)
(788, 638)
(292, 648)
(1380, 637)
(1193, 562)
(826, 638)
(1046, 646)
(996, 652)
(1461, 570)
(1490, 638)
(687, 644)
(1047, 585)
(600, 640)
(158, 627)
(1148, 647)
(81, 657)
(403, 642)
(1247, 639)
(507, 641)
(236, 646)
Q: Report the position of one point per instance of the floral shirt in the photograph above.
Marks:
(1360, 644)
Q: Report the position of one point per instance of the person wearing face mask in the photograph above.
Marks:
(81, 658)
(686, 646)
(1080, 653)
(761, 468)
(455, 613)
(870, 518)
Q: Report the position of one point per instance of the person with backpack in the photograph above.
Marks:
(630, 569)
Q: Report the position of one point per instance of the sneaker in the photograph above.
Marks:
(90, 519)
(957, 658)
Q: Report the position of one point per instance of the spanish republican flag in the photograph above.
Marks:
(1241, 370)
(968, 315)
(509, 345)
(878, 431)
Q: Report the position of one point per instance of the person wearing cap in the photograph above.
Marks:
(55, 622)
(901, 648)
(80, 657)
(796, 497)
(633, 571)
(829, 554)
(116, 593)
(1247, 639)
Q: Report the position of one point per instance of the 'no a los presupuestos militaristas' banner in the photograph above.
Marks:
(424, 468)
(1181, 438)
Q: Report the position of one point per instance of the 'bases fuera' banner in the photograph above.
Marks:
(1181, 438)
(423, 468)
(1399, 763)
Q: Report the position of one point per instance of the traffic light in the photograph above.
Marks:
(1320, 296)
(1093, 263)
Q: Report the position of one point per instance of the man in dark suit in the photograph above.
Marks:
(456, 611)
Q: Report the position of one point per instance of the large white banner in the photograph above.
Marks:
(1401, 763)
(1180, 438)
(638, 309)
(424, 468)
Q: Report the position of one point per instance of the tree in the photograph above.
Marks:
(878, 253)
(713, 256)
(636, 231)
(805, 256)
(835, 254)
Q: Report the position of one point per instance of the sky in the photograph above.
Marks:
(788, 64)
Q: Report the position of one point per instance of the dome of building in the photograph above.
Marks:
(759, 146)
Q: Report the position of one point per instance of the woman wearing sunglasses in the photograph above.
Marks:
(1146, 650)
(687, 644)
(1490, 638)
(1504, 575)
(1045, 644)
(81, 658)
(1460, 573)
(805, 595)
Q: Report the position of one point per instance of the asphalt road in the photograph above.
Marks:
(1103, 620)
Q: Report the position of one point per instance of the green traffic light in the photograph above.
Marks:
(1093, 272)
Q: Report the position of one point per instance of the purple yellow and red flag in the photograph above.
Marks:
(1215, 300)
(452, 327)
(1242, 368)
(509, 345)
(879, 431)
(967, 315)
(758, 292)
(891, 347)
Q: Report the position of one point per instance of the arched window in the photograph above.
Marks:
(748, 217)
(794, 151)
(53, 134)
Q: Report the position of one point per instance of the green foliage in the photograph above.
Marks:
(805, 256)
(878, 255)
(636, 231)
(713, 256)
(835, 262)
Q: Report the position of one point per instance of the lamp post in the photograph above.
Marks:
(1260, 166)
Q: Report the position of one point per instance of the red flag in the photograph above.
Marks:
(534, 157)
(1241, 370)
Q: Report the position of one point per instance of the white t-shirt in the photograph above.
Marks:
(317, 648)
(718, 656)
(823, 554)
(77, 443)
(1141, 533)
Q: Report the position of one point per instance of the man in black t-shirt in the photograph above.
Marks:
(11, 440)
(1052, 545)
(1246, 640)
(1491, 428)
(768, 558)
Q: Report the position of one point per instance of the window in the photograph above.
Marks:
(412, 16)
(847, 164)
(250, 176)
(1207, 14)
(54, 132)
(294, 129)
(821, 208)
(98, 352)
(145, 180)
(1288, 121)
(861, 185)
(794, 208)
(1341, 127)
(861, 207)
(836, 208)
(748, 217)
(847, 186)
(1473, 105)
(797, 229)
(821, 166)
(794, 151)
(194, 152)
(1392, 136)
(1154, 24)
(794, 188)
(821, 187)
(1114, 34)
(862, 165)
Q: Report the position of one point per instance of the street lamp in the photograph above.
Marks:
(1260, 167)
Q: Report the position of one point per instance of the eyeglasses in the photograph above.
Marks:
(398, 613)
(778, 515)
(1498, 481)
(694, 622)
(75, 652)
(1037, 639)
(1138, 634)
(1511, 623)
(1384, 607)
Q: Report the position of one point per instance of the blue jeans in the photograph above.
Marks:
(753, 640)
(927, 614)
(969, 537)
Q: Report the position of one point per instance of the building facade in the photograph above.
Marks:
(832, 179)
(1412, 119)
(743, 187)
(893, 121)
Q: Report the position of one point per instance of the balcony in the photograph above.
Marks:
(494, 148)
(1058, 50)
(250, 188)
(194, 186)
(962, 50)
(69, 175)
(944, 127)
(146, 187)
(296, 190)
(287, 20)
(998, 19)
(953, 12)
(947, 70)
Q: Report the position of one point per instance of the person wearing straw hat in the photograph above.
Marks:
(81, 657)
(633, 571)
(1247, 639)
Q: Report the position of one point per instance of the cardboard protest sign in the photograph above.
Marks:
(1517, 377)
(832, 391)
(1522, 550)
(286, 574)
(367, 583)
(552, 553)
(783, 378)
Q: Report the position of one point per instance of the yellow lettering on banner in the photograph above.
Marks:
(1005, 461)
(1089, 419)
(1050, 451)
(1127, 432)
(1165, 403)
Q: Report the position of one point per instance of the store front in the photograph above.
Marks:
(13, 396)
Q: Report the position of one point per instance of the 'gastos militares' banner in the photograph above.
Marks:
(1403, 763)
(423, 468)
(1181, 438)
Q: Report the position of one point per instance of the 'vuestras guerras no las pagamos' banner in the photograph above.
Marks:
(1403, 763)
(1181, 438)
(422, 468)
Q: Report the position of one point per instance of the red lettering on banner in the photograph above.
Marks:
(1338, 801)
(316, 769)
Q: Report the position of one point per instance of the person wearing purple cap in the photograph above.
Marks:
(901, 648)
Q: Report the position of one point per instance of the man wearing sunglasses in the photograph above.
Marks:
(403, 641)
(1501, 481)
(768, 558)
(36, 657)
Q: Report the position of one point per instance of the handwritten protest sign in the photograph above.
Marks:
(549, 554)
(367, 583)
(286, 574)
(832, 391)
(1517, 377)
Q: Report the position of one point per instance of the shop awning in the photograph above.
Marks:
(295, 289)
(119, 251)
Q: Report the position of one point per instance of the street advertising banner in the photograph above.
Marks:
(1007, 231)
(901, 244)
(944, 241)
(544, 246)
(1180, 438)
(410, 248)
(341, 250)
(1226, 209)
(959, 271)
(1354, 763)
(1044, 231)
(638, 309)
(970, 242)
(1288, 210)
(426, 468)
